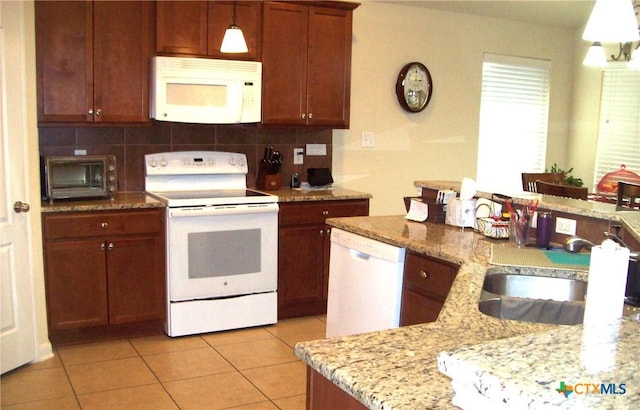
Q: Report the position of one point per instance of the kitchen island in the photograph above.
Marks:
(398, 368)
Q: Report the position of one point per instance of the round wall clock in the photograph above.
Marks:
(414, 87)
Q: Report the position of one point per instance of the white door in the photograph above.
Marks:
(17, 326)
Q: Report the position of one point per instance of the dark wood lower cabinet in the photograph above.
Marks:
(425, 287)
(322, 394)
(303, 253)
(104, 274)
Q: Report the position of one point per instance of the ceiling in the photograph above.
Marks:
(570, 14)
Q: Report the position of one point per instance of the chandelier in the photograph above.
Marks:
(613, 21)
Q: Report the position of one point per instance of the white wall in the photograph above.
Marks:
(440, 142)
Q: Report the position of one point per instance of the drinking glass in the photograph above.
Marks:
(518, 231)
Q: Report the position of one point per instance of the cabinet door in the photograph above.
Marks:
(135, 267)
(284, 64)
(425, 287)
(64, 61)
(300, 271)
(181, 27)
(248, 18)
(121, 61)
(76, 283)
(329, 67)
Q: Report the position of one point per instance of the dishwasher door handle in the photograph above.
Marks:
(360, 255)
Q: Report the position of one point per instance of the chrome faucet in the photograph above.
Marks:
(574, 244)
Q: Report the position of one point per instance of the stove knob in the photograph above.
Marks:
(153, 163)
(163, 162)
(232, 161)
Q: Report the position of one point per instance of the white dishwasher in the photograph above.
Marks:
(365, 284)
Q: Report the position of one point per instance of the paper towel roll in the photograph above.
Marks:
(606, 283)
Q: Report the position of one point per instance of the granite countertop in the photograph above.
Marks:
(508, 375)
(133, 200)
(398, 368)
(334, 193)
(122, 200)
(383, 369)
(630, 220)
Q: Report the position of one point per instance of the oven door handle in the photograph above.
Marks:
(223, 210)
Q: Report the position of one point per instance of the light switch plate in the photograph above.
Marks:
(298, 156)
(316, 149)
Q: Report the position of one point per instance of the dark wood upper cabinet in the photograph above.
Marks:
(196, 28)
(306, 59)
(181, 27)
(92, 61)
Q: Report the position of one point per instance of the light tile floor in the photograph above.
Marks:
(240, 369)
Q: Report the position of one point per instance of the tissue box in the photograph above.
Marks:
(436, 211)
(461, 212)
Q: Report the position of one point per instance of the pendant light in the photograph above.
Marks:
(595, 56)
(233, 41)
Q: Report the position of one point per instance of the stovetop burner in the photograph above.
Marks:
(214, 197)
(212, 194)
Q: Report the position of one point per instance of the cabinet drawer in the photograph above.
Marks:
(428, 276)
(318, 211)
(101, 223)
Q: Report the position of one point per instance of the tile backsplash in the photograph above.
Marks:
(130, 144)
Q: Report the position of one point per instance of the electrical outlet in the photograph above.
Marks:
(368, 139)
(566, 226)
(298, 156)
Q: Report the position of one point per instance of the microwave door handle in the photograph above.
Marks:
(236, 101)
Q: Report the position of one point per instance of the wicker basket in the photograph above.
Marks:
(493, 229)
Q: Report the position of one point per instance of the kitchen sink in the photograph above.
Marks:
(536, 299)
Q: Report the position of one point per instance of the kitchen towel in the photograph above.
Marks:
(606, 283)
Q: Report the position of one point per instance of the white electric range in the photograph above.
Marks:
(222, 242)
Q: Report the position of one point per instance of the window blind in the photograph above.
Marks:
(514, 111)
(619, 131)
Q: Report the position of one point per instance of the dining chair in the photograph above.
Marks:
(628, 195)
(529, 180)
(566, 191)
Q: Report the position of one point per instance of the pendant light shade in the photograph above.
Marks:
(233, 41)
(612, 21)
(595, 56)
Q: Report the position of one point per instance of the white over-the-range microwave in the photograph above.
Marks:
(205, 91)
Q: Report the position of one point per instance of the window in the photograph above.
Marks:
(619, 133)
(514, 110)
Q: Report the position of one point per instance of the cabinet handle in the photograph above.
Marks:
(328, 231)
(98, 112)
(90, 112)
(110, 246)
(321, 232)
(304, 116)
(310, 115)
(104, 225)
(102, 246)
(424, 275)
(325, 212)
